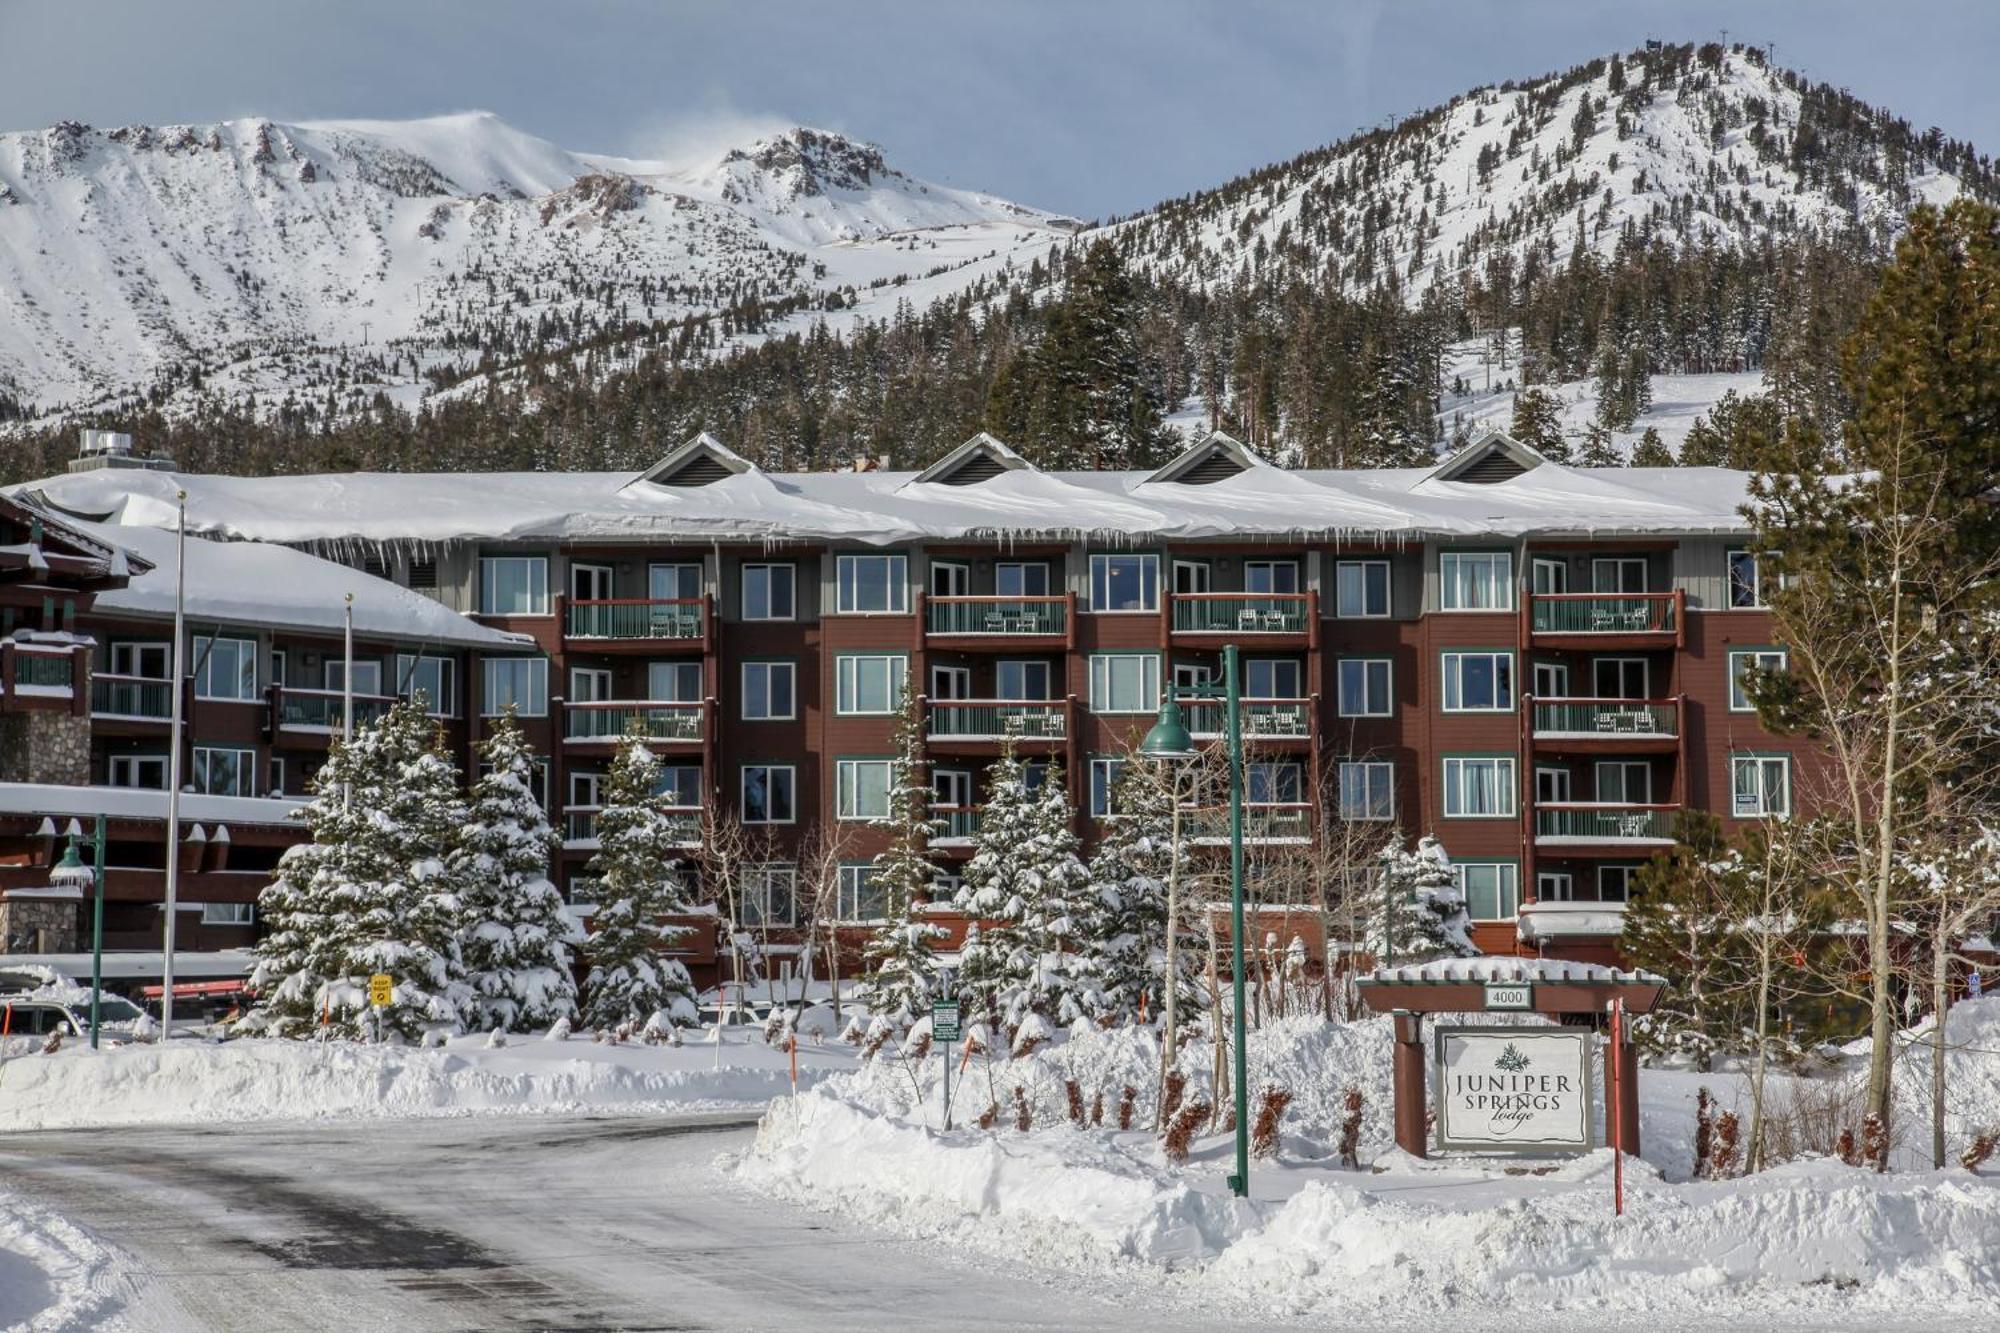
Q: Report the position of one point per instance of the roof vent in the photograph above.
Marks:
(702, 461)
(1219, 465)
(1217, 458)
(1495, 457)
(697, 471)
(980, 458)
(112, 448)
(1496, 466)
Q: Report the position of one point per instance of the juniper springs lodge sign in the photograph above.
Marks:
(1513, 1089)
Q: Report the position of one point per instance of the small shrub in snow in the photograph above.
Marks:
(1350, 1129)
(1170, 1100)
(1127, 1102)
(54, 1043)
(879, 1033)
(1980, 1150)
(1180, 1134)
(657, 1028)
(855, 1031)
(918, 1046)
(496, 1038)
(1264, 1135)
(1033, 1033)
(433, 1038)
(1875, 1142)
(990, 1116)
(1024, 1118)
(1847, 1150)
(1727, 1131)
(1074, 1094)
(1097, 1109)
(559, 1030)
(1704, 1133)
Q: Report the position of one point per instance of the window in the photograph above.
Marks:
(673, 583)
(1274, 782)
(1103, 780)
(139, 770)
(1758, 659)
(951, 682)
(1761, 786)
(1746, 587)
(1554, 886)
(1551, 680)
(1272, 678)
(1124, 683)
(224, 772)
(225, 668)
(589, 685)
(1367, 789)
(1365, 687)
(950, 578)
(1552, 786)
(228, 914)
(1018, 579)
(1270, 576)
(1549, 576)
(1191, 678)
(514, 585)
(873, 584)
(1479, 788)
(951, 789)
(768, 693)
(150, 660)
(1624, 782)
(1615, 883)
(1124, 583)
(861, 897)
(673, 682)
(434, 678)
(1492, 889)
(1191, 577)
(1619, 574)
(861, 788)
(868, 685)
(1621, 678)
(1475, 581)
(1361, 589)
(1478, 682)
(768, 794)
(276, 776)
(367, 675)
(521, 683)
(590, 583)
(770, 895)
(769, 592)
(1022, 680)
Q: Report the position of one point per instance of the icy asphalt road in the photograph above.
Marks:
(493, 1223)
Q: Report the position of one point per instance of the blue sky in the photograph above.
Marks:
(1086, 106)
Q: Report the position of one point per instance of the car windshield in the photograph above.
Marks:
(110, 1009)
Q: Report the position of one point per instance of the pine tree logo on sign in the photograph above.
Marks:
(1511, 1059)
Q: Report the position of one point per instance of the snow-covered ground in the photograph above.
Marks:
(1812, 1241)
(252, 1079)
(52, 1272)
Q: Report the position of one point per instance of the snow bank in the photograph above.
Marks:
(53, 1275)
(269, 1079)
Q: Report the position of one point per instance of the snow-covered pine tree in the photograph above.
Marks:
(1059, 913)
(1421, 912)
(1129, 874)
(901, 953)
(988, 890)
(630, 978)
(515, 936)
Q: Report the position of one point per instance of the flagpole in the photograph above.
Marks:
(174, 769)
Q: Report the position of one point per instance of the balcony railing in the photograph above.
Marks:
(997, 616)
(44, 671)
(321, 710)
(993, 719)
(956, 823)
(637, 618)
(1605, 822)
(1263, 821)
(1241, 613)
(1605, 613)
(613, 719)
(132, 696)
(1263, 719)
(580, 825)
(1608, 718)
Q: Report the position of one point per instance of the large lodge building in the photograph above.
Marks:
(1534, 662)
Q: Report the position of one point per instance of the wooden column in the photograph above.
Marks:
(1412, 1134)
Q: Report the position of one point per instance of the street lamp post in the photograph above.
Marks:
(1170, 741)
(71, 872)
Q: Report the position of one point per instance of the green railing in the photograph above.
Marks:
(956, 823)
(652, 721)
(683, 824)
(1606, 717)
(44, 671)
(131, 696)
(680, 618)
(1592, 613)
(996, 615)
(984, 719)
(1261, 717)
(320, 710)
(1267, 821)
(1240, 613)
(1605, 823)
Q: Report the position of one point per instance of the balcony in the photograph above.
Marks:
(993, 720)
(1263, 719)
(580, 826)
(1280, 619)
(320, 712)
(1264, 822)
(1018, 623)
(131, 698)
(611, 720)
(957, 825)
(638, 625)
(1584, 827)
(1607, 725)
(1607, 620)
(38, 676)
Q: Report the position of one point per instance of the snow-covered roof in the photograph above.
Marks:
(1446, 971)
(269, 586)
(59, 801)
(884, 508)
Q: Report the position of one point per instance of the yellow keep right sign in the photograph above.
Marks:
(381, 990)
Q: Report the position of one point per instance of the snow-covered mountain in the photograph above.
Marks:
(337, 258)
(1690, 146)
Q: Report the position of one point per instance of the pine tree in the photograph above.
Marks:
(1129, 875)
(1059, 913)
(1651, 451)
(1420, 912)
(516, 935)
(902, 961)
(1538, 423)
(1597, 450)
(630, 977)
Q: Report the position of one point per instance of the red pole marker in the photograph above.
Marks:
(1618, 1095)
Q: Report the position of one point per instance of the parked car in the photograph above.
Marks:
(30, 1018)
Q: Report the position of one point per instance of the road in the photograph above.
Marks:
(508, 1224)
